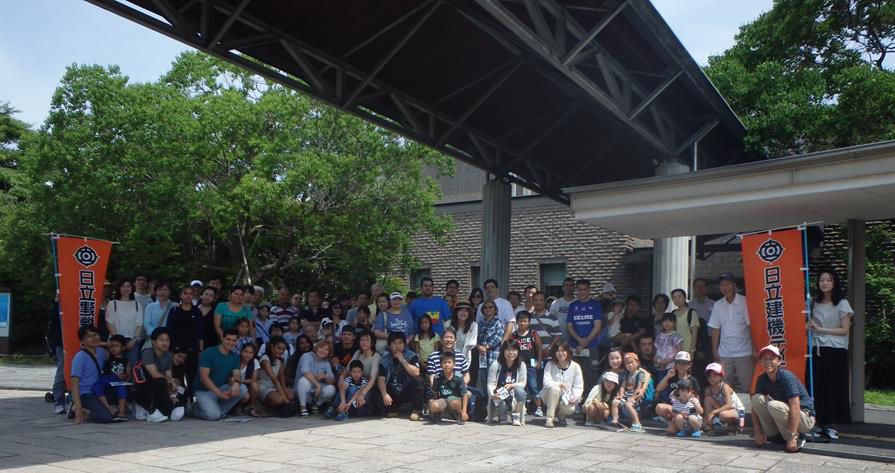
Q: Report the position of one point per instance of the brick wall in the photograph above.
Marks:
(542, 231)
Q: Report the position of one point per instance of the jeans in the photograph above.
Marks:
(98, 411)
(59, 379)
(209, 407)
(350, 391)
(532, 383)
(517, 395)
(304, 388)
(101, 388)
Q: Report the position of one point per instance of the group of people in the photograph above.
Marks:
(489, 358)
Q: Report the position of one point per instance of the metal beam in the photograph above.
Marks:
(248, 41)
(174, 17)
(227, 24)
(470, 84)
(654, 95)
(302, 61)
(537, 19)
(543, 135)
(603, 23)
(704, 130)
(388, 57)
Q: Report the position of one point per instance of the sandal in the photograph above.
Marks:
(253, 412)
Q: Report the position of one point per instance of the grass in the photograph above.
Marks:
(18, 359)
(875, 396)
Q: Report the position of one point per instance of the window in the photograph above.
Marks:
(416, 277)
(552, 275)
(475, 277)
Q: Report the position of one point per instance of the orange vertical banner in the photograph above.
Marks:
(775, 293)
(81, 265)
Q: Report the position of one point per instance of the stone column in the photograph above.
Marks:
(670, 255)
(496, 213)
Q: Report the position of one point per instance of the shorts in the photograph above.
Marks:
(446, 402)
(687, 427)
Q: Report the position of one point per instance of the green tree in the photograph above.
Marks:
(212, 170)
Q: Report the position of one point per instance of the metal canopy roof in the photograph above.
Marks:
(829, 187)
(547, 93)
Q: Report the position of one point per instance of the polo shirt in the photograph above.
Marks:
(732, 319)
(583, 316)
(784, 388)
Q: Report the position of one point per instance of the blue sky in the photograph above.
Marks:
(39, 38)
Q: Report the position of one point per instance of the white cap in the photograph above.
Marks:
(196, 282)
(610, 376)
(715, 368)
(326, 321)
(608, 287)
(682, 356)
(772, 349)
(396, 295)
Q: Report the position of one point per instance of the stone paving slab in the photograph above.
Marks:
(34, 440)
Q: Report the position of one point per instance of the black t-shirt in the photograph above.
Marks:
(311, 316)
(445, 387)
(526, 347)
(115, 366)
(665, 395)
(187, 327)
(344, 354)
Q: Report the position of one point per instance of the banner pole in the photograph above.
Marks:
(808, 309)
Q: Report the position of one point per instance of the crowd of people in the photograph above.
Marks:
(163, 352)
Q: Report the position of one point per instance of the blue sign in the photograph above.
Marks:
(4, 309)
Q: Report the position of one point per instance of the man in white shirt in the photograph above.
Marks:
(700, 302)
(731, 338)
(560, 307)
(505, 311)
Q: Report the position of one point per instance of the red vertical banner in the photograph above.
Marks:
(775, 293)
(81, 264)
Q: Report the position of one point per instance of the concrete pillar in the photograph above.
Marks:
(496, 213)
(857, 295)
(670, 255)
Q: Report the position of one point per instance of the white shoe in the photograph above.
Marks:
(139, 412)
(58, 409)
(156, 416)
(177, 413)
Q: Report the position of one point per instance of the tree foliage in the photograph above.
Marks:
(212, 170)
(810, 75)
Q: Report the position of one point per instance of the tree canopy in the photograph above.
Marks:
(212, 170)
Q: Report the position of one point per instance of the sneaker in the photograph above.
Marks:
(414, 416)
(831, 433)
(539, 412)
(696, 434)
(660, 420)
(716, 423)
(341, 416)
(330, 413)
(517, 420)
(548, 423)
(800, 443)
(156, 416)
(117, 419)
(590, 423)
(139, 412)
(304, 412)
(636, 428)
(315, 409)
(680, 433)
(561, 421)
(58, 409)
(177, 413)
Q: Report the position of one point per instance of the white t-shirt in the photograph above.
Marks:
(505, 311)
(827, 315)
(560, 308)
(732, 319)
(125, 316)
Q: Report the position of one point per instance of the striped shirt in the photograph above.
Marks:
(461, 364)
(358, 384)
(281, 315)
(682, 407)
(546, 326)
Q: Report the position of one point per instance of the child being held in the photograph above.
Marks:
(448, 392)
(115, 369)
(615, 320)
(635, 381)
(667, 344)
(599, 401)
(686, 411)
(243, 330)
(352, 402)
(722, 405)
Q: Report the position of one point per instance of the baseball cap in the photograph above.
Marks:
(196, 282)
(715, 368)
(264, 304)
(727, 277)
(772, 349)
(608, 287)
(682, 356)
(610, 376)
(396, 295)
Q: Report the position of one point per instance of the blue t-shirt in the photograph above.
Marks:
(583, 316)
(402, 322)
(221, 366)
(435, 307)
(83, 367)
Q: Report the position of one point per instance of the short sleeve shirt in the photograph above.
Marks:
(308, 363)
(435, 307)
(784, 388)
(83, 367)
(228, 317)
(162, 363)
(583, 316)
(220, 365)
(827, 315)
(732, 319)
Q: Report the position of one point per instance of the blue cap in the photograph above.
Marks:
(727, 276)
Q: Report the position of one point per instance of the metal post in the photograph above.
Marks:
(857, 292)
(692, 271)
(496, 213)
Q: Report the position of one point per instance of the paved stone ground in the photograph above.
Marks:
(34, 440)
